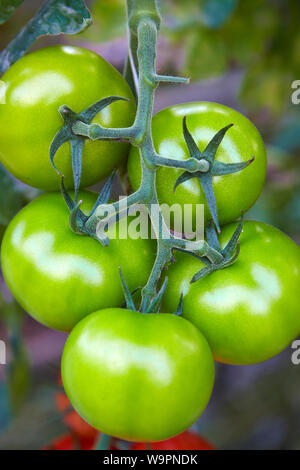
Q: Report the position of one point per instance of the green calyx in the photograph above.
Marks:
(154, 305)
(210, 167)
(65, 134)
(79, 222)
(229, 253)
(180, 306)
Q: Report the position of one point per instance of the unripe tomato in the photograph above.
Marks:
(138, 377)
(36, 86)
(234, 193)
(250, 311)
(58, 276)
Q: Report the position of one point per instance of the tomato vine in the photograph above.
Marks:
(144, 23)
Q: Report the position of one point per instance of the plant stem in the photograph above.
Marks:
(144, 23)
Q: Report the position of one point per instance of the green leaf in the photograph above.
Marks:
(53, 18)
(7, 8)
(261, 38)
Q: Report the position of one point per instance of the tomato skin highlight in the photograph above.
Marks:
(59, 277)
(249, 312)
(138, 377)
(36, 86)
(234, 193)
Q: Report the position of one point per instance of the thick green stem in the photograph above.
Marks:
(144, 22)
(163, 256)
(191, 164)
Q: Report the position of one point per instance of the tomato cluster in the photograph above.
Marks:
(140, 377)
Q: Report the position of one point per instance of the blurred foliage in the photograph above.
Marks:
(14, 391)
(255, 407)
(215, 12)
(109, 17)
(261, 36)
(279, 204)
(7, 8)
(18, 375)
(12, 202)
(18, 370)
(5, 416)
(37, 424)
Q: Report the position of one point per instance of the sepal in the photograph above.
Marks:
(127, 294)
(214, 167)
(230, 253)
(76, 141)
(78, 220)
(180, 306)
(155, 304)
(220, 168)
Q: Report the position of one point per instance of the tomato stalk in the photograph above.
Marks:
(144, 22)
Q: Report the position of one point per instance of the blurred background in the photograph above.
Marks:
(244, 54)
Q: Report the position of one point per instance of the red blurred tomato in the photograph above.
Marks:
(187, 440)
(72, 442)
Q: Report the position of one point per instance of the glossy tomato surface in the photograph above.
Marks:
(235, 192)
(187, 440)
(58, 276)
(36, 86)
(138, 377)
(250, 311)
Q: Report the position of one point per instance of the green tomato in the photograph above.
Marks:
(59, 277)
(139, 377)
(234, 193)
(36, 86)
(250, 311)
